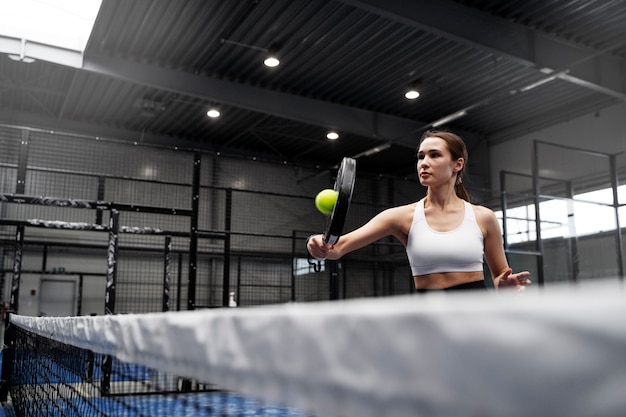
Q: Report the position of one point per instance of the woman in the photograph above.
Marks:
(446, 238)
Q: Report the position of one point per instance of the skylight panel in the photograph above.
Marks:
(29, 28)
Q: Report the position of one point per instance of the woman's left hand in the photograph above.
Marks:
(509, 280)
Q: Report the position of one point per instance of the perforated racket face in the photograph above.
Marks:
(344, 185)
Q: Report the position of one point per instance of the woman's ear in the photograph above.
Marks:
(459, 164)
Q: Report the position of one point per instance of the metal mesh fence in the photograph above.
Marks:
(239, 228)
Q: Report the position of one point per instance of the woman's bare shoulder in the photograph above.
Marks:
(484, 215)
(395, 218)
(399, 210)
(396, 221)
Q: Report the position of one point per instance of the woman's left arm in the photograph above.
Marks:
(502, 274)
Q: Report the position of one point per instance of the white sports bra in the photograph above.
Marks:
(459, 250)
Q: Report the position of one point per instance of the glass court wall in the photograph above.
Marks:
(568, 214)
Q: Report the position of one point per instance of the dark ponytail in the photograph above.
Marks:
(460, 189)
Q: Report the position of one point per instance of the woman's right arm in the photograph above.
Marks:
(390, 222)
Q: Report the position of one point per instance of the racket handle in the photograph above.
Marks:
(315, 263)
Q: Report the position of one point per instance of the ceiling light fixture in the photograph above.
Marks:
(449, 118)
(411, 93)
(213, 113)
(332, 135)
(271, 60)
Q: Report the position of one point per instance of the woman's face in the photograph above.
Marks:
(434, 163)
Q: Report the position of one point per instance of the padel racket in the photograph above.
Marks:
(344, 185)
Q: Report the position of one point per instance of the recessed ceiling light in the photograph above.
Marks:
(332, 135)
(412, 94)
(271, 61)
(213, 113)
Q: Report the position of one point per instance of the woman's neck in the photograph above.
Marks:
(441, 197)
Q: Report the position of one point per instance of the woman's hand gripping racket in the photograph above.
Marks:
(344, 185)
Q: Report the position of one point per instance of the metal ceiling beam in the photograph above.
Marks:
(586, 67)
(302, 109)
(48, 124)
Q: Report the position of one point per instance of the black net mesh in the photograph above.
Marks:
(55, 379)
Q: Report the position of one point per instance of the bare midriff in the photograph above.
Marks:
(446, 279)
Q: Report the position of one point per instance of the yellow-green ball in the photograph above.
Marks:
(325, 201)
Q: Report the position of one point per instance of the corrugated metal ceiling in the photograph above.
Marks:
(153, 67)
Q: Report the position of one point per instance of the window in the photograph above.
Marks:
(59, 28)
(586, 214)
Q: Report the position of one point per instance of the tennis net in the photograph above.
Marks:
(550, 352)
